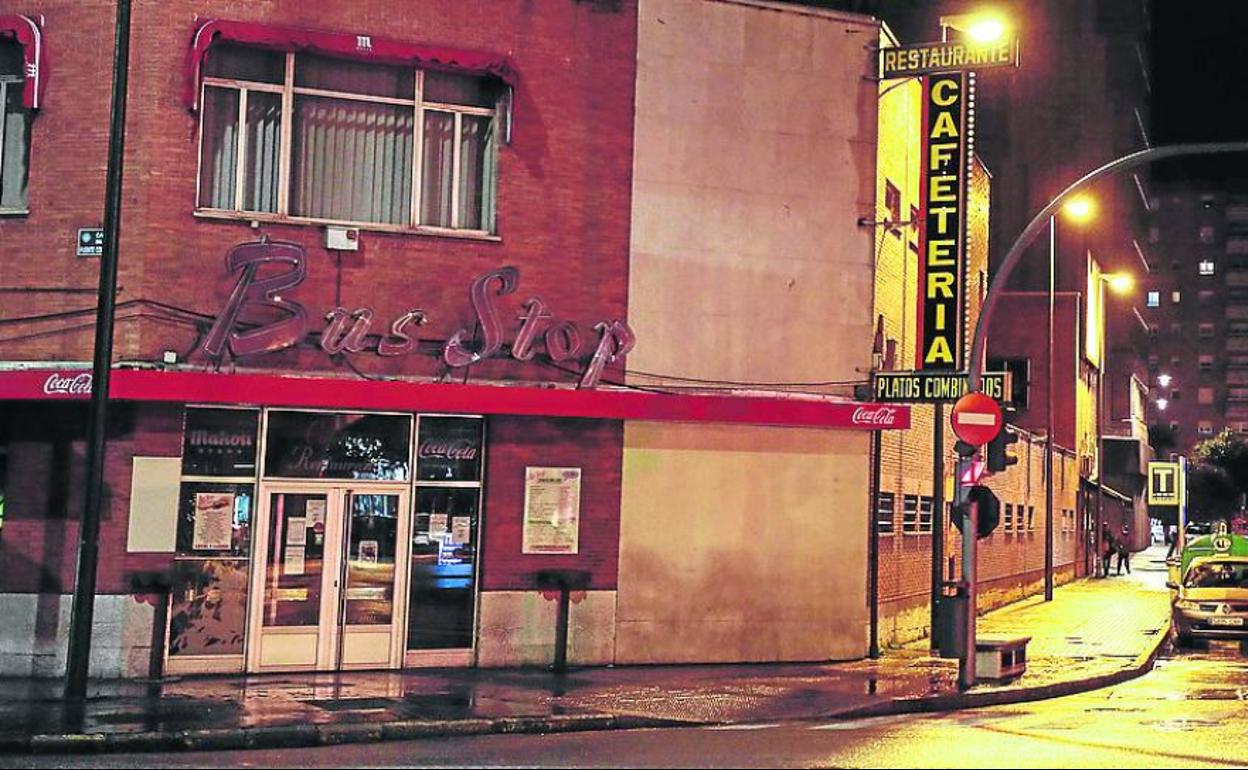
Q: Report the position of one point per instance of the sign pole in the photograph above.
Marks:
(966, 663)
(938, 507)
(78, 657)
(1182, 489)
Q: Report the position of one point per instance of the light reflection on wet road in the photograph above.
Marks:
(1191, 711)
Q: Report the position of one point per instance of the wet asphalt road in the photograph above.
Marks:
(1191, 711)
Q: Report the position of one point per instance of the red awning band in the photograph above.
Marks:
(329, 393)
(26, 32)
(349, 46)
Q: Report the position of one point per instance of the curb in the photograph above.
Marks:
(307, 735)
(1144, 663)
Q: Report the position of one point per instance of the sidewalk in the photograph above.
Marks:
(1094, 633)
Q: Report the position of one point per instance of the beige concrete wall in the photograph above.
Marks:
(517, 628)
(741, 544)
(754, 159)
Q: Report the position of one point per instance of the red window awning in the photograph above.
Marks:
(29, 36)
(393, 395)
(345, 45)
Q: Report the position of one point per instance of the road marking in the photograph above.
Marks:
(765, 726)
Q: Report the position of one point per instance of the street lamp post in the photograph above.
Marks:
(1079, 209)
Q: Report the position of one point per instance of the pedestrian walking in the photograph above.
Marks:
(1124, 557)
(1172, 539)
(1110, 550)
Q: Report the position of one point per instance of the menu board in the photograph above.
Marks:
(552, 510)
(214, 520)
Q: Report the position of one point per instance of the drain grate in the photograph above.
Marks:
(351, 704)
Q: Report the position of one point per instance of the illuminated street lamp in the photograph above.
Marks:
(1162, 404)
(1119, 283)
(1164, 381)
(1080, 210)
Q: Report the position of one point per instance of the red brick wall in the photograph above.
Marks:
(44, 494)
(563, 200)
(594, 446)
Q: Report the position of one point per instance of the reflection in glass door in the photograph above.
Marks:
(328, 571)
(366, 624)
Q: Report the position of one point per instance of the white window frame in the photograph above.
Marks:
(7, 82)
(289, 91)
(1153, 299)
(886, 526)
(910, 514)
(1207, 267)
(926, 507)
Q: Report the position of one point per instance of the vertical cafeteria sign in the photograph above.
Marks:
(946, 158)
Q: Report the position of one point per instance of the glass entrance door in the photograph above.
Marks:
(325, 578)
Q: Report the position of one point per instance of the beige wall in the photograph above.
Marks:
(754, 160)
(755, 156)
(741, 544)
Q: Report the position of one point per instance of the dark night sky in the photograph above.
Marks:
(1200, 67)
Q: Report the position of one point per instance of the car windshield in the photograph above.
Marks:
(1218, 575)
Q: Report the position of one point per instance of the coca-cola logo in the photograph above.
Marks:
(447, 450)
(75, 385)
(883, 416)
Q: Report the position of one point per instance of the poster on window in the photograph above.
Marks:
(214, 519)
(552, 510)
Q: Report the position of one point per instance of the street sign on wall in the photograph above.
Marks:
(958, 56)
(1165, 484)
(935, 387)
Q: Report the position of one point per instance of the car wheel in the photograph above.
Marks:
(1183, 641)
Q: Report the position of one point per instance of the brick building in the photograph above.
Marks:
(380, 270)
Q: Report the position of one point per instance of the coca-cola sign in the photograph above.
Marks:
(447, 450)
(68, 384)
(879, 417)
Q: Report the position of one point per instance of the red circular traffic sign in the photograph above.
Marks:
(976, 419)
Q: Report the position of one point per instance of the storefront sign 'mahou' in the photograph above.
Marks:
(352, 331)
(926, 58)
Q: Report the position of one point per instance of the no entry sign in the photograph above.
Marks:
(976, 419)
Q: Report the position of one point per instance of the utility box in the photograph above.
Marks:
(950, 628)
(1000, 658)
(342, 238)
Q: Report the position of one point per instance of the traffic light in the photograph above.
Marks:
(998, 451)
(987, 515)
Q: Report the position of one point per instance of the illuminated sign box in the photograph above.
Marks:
(934, 387)
(926, 58)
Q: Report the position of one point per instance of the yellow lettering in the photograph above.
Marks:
(942, 154)
(941, 318)
(940, 284)
(942, 216)
(940, 253)
(943, 189)
(939, 352)
(890, 60)
(945, 92)
(944, 126)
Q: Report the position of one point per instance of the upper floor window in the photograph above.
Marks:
(14, 130)
(1154, 299)
(1176, 296)
(328, 139)
(1206, 234)
(1206, 267)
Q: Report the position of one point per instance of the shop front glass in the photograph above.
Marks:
(445, 533)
